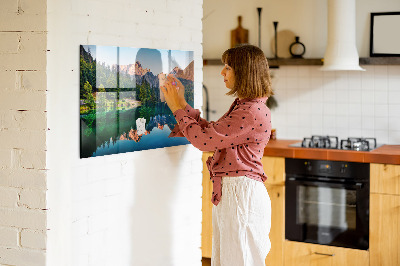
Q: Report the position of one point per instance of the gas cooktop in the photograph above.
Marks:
(332, 142)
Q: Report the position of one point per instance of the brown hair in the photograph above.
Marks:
(250, 66)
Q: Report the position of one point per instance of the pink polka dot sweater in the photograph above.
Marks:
(238, 139)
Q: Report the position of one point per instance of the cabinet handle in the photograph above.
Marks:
(324, 254)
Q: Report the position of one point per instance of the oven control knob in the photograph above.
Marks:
(308, 166)
(343, 168)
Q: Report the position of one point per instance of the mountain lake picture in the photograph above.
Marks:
(122, 108)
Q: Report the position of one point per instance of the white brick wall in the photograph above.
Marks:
(22, 256)
(34, 239)
(23, 178)
(100, 208)
(9, 237)
(22, 132)
(8, 197)
(139, 208)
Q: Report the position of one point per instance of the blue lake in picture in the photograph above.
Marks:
(153, 141)
(115, 132)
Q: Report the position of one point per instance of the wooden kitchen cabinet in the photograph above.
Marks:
(305, 254)
(385, 215)
(206, 225)
(385, 178)
(384, 236)
(277, 233)
(274, 168)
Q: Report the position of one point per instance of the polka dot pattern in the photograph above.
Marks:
(238, 139)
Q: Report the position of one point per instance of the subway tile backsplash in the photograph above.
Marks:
(314, 102)
(343, 103)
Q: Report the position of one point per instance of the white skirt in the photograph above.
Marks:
(241, 223)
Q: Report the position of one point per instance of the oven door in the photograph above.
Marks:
(327, 213)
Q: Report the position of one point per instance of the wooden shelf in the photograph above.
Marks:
(274, 63)
(212, 62)
(380, 61)
(295, 62)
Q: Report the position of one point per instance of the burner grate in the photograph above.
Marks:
(332, 142)
(327, 142)
(358, 144)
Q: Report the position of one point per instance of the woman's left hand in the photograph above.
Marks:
(170, 90)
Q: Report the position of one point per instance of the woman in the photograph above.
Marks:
(242, 208)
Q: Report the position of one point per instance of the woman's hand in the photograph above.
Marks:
(174, 92)
(181, 92)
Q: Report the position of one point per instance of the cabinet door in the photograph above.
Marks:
(277, 233)
(385, 178)
(304, 254)
(274, 168)
(206, 232)
(384, 230)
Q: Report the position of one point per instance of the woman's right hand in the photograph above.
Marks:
(170, 91)
(181, 91)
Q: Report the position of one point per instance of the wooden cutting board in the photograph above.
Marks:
(239, 35)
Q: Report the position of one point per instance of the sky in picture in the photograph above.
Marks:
(147, 57)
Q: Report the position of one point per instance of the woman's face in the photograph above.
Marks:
(229, 76)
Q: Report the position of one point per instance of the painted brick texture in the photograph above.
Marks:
(9, 197)
(33, 239)
(23, 125)
(139, 208)
(106, 197)
(9, 237)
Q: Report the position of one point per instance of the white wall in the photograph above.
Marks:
(344, 103)
(139, 208)
(23, 133)
(306, 19)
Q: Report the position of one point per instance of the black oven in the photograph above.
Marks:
(327, 202)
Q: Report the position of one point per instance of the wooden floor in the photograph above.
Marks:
(206, 261)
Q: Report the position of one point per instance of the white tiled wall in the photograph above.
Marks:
(342, 103)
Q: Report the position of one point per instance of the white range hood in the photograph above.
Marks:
(341, 51)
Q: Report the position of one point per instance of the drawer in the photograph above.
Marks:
(298, 253)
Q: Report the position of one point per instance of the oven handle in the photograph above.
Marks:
(357, 185)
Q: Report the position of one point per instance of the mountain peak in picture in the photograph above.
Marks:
(187, 73)
(139, 70)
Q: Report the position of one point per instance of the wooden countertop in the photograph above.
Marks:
(389, 154)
